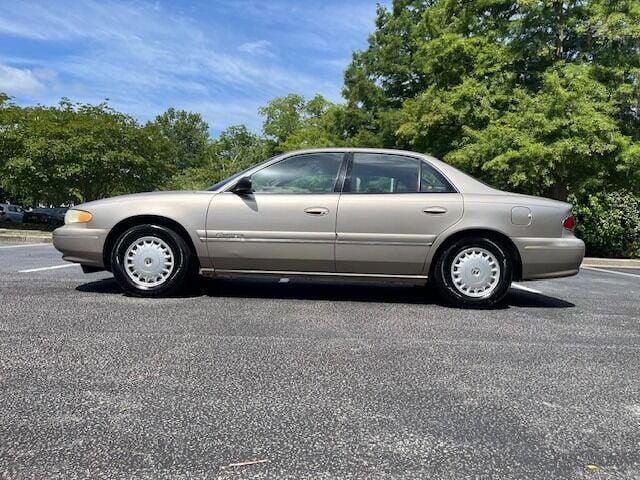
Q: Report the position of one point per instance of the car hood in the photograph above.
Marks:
(144, 197)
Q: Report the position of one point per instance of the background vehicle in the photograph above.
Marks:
(48, 216)
(12, 213)
(343, 213)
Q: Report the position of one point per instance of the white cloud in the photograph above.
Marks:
(142, 47)
(220, 115)
(261, 47)
(146, 56)
(19, 81)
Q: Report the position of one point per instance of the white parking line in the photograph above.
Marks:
(49, 268)
(526, 289)
(611, 271)
(283, 280)
(29, 245)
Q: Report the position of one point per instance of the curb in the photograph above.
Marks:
(24, 237)
(611, 262)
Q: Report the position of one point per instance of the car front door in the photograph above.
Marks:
(391, 210)
(287, 223)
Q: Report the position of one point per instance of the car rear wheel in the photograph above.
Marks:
(473, 272)
(152, 261)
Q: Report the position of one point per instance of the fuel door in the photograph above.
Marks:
(521, 216)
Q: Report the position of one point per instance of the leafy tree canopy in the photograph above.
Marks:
(540, 96)
(187, 134)
(78, 152)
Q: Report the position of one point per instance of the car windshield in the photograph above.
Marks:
(221, 183)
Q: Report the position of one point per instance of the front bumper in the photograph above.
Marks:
(82, 245)
(550, 257)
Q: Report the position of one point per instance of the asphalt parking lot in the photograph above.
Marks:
(269, 379)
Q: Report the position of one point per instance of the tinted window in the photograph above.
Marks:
(309, 173)
(380, 173)
(432, 181)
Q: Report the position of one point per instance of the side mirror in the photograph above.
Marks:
(242, 186)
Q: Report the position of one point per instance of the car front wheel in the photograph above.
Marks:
(152, 261)
(474, 272)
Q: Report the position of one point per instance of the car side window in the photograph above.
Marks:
(432, 181)
(383, 173)
(307, 173)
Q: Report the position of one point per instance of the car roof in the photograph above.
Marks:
(462, 181)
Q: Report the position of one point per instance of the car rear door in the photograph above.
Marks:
(391, 210)
(286, 224)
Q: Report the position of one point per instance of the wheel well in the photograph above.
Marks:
(497, 237)
(127, 223)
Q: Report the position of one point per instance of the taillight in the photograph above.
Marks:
(569, 223)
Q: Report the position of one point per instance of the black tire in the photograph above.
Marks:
(178, 281)
(444, 281)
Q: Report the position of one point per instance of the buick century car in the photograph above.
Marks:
(341, 213)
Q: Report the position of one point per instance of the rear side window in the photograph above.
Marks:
(432, 181)
(382, 173)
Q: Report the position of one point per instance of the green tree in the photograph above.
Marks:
(282, 116)
(188, 135)
(541, 96)
(78, 152)
(291, 122)
(609, 223)
(235, 149)
(565, 135)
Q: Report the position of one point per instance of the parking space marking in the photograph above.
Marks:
(526, 289)
(29, 245)
(611, 271)
(283, 280)
(49, 268)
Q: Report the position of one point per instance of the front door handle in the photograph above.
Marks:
(435, 210)
(316, 211)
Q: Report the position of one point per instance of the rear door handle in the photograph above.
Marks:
(316, 211)
(435, 210)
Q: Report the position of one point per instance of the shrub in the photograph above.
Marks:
(609, 223)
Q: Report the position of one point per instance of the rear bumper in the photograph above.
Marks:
(81, 245)
(549, 257)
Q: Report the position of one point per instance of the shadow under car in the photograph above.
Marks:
(337, 292)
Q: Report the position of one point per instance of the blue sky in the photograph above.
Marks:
(222, 58)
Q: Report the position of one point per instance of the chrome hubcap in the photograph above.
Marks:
(475, 272)
(149, 261)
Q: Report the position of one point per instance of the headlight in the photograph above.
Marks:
(77, 216)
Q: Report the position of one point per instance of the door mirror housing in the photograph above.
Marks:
(243, 186)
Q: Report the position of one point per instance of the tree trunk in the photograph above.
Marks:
(559, 191)
(558, 9)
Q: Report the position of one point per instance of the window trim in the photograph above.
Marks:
(347, 181)
(339, 179)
